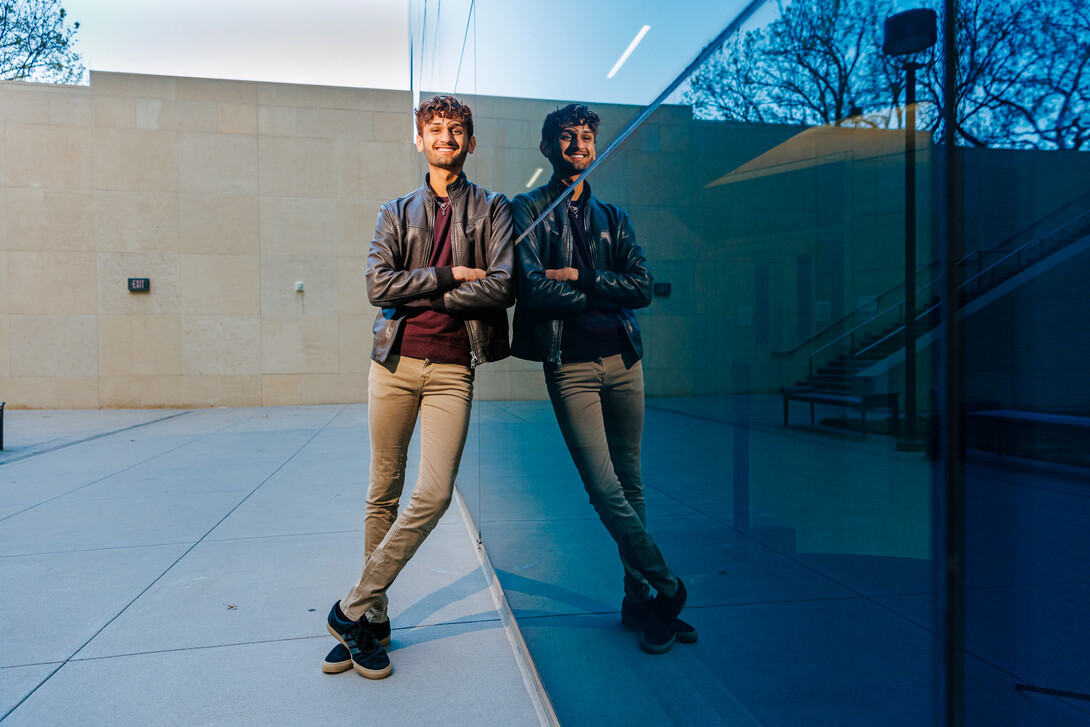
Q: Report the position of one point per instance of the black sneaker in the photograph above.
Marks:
(338, 659)
(658, 629)
(369, 659)
(381, 630)
(634, 614)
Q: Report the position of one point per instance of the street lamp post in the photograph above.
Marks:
(907, 33)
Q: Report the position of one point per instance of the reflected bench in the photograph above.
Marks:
(861, 403)
(1002, 421)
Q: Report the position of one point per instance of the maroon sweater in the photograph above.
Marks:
(596, 332)
(432, 334)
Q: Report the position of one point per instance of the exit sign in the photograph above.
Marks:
(139, 285)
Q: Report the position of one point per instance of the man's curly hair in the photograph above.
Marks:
(571, 115)
(445, 107)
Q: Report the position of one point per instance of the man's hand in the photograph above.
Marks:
(564, 274)
(463, 274)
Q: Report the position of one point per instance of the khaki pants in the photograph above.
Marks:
(397, 390)
(599, 407)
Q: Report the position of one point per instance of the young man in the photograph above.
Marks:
(441, 270)
(580, 274)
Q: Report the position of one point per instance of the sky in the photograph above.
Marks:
(553, 49)
(358, 43)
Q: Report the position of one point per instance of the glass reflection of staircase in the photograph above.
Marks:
(862, 339)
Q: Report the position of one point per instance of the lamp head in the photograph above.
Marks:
(910, 32)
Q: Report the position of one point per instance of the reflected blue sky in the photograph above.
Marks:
(562, 49)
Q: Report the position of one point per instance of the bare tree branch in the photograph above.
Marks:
(37, 43)
(1023, 72)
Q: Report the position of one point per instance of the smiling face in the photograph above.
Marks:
(445, 143)
(570, 150)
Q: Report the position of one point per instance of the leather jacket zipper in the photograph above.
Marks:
(457, 244)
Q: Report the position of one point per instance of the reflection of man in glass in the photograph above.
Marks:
(580, 274)
(440, 268)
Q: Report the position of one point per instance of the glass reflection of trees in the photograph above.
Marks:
(1024, 72)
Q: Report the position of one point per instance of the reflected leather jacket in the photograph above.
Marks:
(620, 277)
(399, 277)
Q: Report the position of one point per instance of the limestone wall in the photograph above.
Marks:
(225, 194)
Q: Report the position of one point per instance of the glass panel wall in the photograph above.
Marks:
(835, 302)
(1024, 174)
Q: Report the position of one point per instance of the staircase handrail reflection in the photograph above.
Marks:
(922, 315)
(1031, 231)
(850, 314)
(896, 307)
(1017, 252)
(974, 257)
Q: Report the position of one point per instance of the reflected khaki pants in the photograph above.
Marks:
(599, 407)
(397, 390)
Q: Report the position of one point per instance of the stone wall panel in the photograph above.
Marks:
(51, 283)
(48, 346)
(47, 220)
(140, 345)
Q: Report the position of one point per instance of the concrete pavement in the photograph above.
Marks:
(175, 568)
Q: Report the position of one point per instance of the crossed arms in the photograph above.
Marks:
(399, 275)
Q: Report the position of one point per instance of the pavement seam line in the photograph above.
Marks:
(92, 438)
(233, 644)
(531, 678)
(180, 557)
(105, 477)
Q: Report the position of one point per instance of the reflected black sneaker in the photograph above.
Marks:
(634, 614)
(658, 630)
(369, 659)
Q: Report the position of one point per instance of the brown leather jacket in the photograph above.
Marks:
(399, 276)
